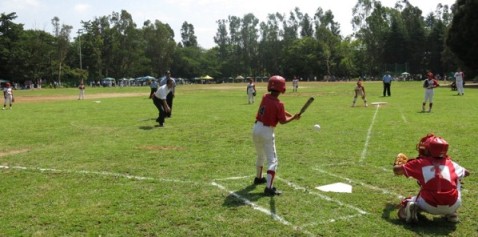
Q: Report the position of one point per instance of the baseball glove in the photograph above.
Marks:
(401, 159)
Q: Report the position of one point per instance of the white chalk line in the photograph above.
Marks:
(100, 173)
(369, 133)
(262, 209)
(403, 117)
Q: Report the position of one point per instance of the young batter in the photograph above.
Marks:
(271, 111)
(439, 179)
(429, 84)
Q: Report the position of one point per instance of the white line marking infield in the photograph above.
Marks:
(214, 183)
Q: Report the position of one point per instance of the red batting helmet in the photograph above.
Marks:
(7, 84)
(276, 83)
(422, 146)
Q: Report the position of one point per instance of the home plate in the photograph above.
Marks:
(336, 187)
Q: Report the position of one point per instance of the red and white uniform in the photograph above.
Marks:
(439, 181)
(8, 95)
(270, 112)
(429, 84)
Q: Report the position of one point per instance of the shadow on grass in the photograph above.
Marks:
(437, 225)
(239, 198)
(146, 127)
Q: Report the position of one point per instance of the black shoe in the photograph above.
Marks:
(161, 125)
(271, 191)
(260, 180)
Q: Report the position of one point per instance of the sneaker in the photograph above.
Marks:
(366, 105)
(452, 218)
(271, 191)
(411, 212)
(260, 180)
(3, 108)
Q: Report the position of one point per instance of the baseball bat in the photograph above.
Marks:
(306, 105)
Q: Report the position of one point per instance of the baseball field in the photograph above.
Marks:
(101, 167)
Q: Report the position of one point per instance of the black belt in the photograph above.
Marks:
(265, 125)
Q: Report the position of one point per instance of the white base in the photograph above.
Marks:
(336, 187)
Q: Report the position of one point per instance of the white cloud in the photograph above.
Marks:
(82, 8)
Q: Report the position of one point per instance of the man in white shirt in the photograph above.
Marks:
(169, 98)
(159, 100)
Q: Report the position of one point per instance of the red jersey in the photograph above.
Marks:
(439, 179)
(271, 111)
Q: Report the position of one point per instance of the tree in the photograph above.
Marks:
(62, 35)
(463, 33)
(10, 60)
(188, 37)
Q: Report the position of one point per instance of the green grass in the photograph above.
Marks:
(100, 167)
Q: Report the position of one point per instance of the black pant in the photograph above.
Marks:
(159, 104)
(169, 101)
(386, 89)
(152, 92)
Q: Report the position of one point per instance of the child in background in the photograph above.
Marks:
(359, 91)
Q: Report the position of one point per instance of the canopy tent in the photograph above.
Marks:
(109, 79)
(239, 78)
(207, 77)
(405, 74)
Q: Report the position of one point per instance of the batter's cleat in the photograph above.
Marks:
(452, 218)
(272, 191)
(260, 180)
(411, 212)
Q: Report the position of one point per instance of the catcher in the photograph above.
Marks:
(439, 179)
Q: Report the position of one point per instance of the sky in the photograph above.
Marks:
(202, 14)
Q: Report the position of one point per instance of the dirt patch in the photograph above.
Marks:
(14, 152)
(34, 99)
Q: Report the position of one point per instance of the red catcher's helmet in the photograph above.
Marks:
(276, 83)
(437, 147)
(422, 146)
(433, 146)
(7, 84)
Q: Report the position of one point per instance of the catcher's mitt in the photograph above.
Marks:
(401, 159)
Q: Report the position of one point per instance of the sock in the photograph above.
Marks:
(259, 172)
(270, 178)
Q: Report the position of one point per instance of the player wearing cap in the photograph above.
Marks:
(359, 91)
(8, 96)
(429, 84)
(271, 112)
